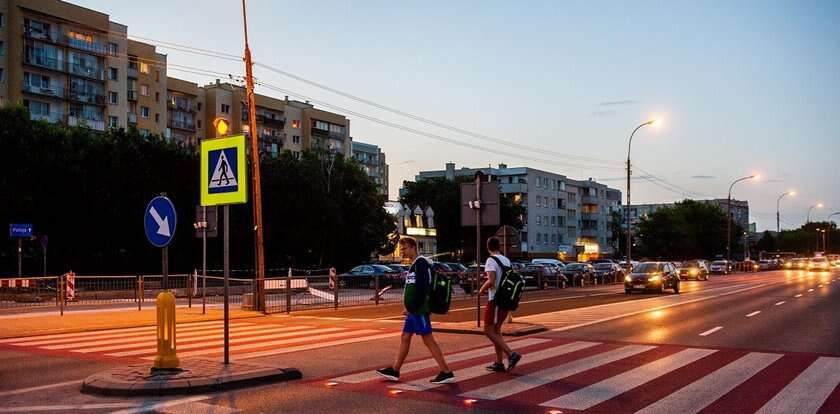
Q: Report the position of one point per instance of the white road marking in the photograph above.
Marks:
(820, 286)
(106, 330)
(479, 370)
(780, 303)
(286, 350)
(549, 375)
(798, 295)
(696, 396)
(810, 290)
(430, 362)
(149, 407)
(64, 407)
(88, 336)
(595, 394)
(751, 314)
(711, 331)
(151, 338)
(40, 387)
(808, 391)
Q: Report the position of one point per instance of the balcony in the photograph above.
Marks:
(94, 47)
(269, 121)
(52, 91)
(50, 35)
(188, 125)
(272, 139)
(52, 117)
(589, 199)
(87, 97)
(508, 188)
(132, 118)
(43, 62)
(132, 71)
(590, 216)
(91, 72)
(131, 94)
(589, 232)
(86, 120)
(178, 106)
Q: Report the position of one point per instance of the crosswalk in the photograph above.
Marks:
(560, 375)
(199, 339)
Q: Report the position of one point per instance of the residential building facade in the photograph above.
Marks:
(417, 222)
(564, 217)
(373, 162)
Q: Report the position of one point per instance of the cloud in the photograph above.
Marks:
(603, 113)
(703, 177)
(774, 180)
(618, 103)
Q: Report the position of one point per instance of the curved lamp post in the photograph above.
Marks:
(627, 215)
(790, 193)
(808, 219)
(729, 214)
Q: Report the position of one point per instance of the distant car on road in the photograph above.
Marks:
(765, 265)
(721, 267)
(576, 273)
(818, 264)
(656, 276)
(693, 269)
(608, 272)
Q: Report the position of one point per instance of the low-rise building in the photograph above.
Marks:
(414, 221)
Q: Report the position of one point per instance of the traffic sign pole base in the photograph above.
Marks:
(166, 358)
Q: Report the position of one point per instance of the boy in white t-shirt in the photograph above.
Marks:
(493, 316)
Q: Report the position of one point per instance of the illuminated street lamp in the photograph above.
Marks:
(729, 214)
(808, 219)
(652, 122)
(790, 193)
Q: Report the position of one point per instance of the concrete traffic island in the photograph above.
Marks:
(197, 375)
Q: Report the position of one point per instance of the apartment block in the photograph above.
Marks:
(146, 88)
(564, 217)
(373, 162)
(740, 211)
(184, 111)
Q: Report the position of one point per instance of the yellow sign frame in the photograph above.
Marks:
(241, 194)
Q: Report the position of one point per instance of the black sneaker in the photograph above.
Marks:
(389, 373)
(443, 378)
(496, 367)
(513, 359)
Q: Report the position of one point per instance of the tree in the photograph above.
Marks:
(688, 229)
(767, 243)
(618, 239)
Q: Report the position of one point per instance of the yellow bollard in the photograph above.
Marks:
(166, 357)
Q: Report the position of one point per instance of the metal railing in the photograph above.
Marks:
(52, 91)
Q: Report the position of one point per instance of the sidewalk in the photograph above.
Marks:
(39, 324)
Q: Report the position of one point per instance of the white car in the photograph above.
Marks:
(721, 267)
(553, 262)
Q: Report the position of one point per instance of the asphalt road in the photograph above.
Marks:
(792, 315)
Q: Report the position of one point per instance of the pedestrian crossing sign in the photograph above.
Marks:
(223, 171)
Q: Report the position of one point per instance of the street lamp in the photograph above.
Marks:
(652, 122)
(828, 239)
(790, 193)
(818, 205)
(729, 214)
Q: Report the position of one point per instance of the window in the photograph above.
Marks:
(112, 98)
(113, 48)
(553, 221)
(539, 238)
(157, 96)
(144, 68)
(144, 111)
(1, 75)
(2, 48)
(225, 109)
(198, 123)
(37, 108)
(35, 80)
(295, 139)
(144, 132)
(157, 118)
(198, 106)
(553, 185)
(553, 238)
(539, 201)
(539, 220)
(295, 123)
(2, 21)
(545, 221)
(157, 76)
(144, 90)
(112, 74)
(113, 122)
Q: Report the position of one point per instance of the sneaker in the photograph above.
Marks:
(513, 360)
(443, 378)
(389, 373)
(496, 367)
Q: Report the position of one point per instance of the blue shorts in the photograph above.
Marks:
(417, 324)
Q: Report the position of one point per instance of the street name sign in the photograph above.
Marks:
(20, 230)
(160, 221)
(223, 177)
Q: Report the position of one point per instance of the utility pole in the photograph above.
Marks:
(255, 165)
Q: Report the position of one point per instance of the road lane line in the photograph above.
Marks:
(529, 381)
(317, 346)
(151, 338)
(479, 370)
(39, 388)
(708, 389)
(798, 295)
(523, 302)
(108, 335)
(595, 394)
(808, 391)
(751, 314)
(106, 330)
(155, 406)
(430, 362)
(780, 303)
(711, 331)
(810, 290)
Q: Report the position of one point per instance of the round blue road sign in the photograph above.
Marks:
(159, 221)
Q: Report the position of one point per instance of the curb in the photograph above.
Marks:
(106, 383)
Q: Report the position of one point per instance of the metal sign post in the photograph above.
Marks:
(20, 232)
(223, 181)
(160, 222)
(479, 206)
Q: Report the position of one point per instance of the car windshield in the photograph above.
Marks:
(444, 267)
(383, 268)
(721, 263)
(603, 266)
(575, 266)
(648, 267)
(689, 264)
(533, 267)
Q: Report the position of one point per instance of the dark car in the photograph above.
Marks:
(577, 273)
(656, 276)
(365, 276)
(399, 268)
(539, 275)
(608, 272)
(469, 281)
(444, 269)
(693, 269)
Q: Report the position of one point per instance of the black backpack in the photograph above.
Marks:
(440, 293)
(510, 287)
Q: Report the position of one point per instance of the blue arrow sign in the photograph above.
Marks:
(160, 221)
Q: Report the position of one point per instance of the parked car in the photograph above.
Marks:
(541, 276)
(721, 267)
(693, 269)
(576, 273)
(656, 276)
(364, 276)
(554, 262)
(608, 272)
(468, 280)
(818, 264)
(765, 265)
(399, 268)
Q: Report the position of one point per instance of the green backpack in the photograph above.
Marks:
(440, 293)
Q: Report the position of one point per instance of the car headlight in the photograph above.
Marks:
(627, 279)
(693, 272)
(787, 264)
(654, 278)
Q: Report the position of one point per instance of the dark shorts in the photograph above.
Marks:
(417, 324)
(493, 315)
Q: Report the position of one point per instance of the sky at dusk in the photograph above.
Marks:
(743, 87)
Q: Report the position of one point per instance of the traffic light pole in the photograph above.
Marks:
(255, 164)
